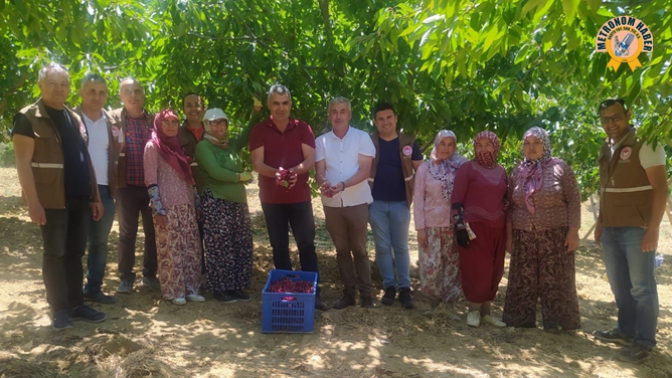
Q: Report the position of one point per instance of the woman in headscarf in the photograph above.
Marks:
(543, 228)
(174, 201)
(478, 211)
(227, 227)
(439, 258)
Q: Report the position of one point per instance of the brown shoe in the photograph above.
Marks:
(320, 305)
(344, 302)
(367, 302)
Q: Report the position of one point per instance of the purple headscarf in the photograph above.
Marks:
(531, 170)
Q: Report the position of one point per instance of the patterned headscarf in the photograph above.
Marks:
(487, 159)
(169, 147)
(531, 170)
(444, 170)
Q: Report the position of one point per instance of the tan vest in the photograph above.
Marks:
(114, 149)
(406, 165)
(119, 118)
(47, 162)
(627, 194)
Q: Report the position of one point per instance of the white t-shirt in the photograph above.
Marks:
(99, 147)
(341, 158)
(647, 155)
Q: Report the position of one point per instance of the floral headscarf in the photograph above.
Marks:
(169, 147)
(444, 170)
(487, 159)
(531, 170)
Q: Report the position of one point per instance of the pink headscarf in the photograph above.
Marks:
(169, 147)
(531, 170)
(487, 159)
(444, 170)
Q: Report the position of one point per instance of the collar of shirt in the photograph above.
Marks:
(198, 133)
(333, 135)
(292, 123)
(144, 116)
(90, 122)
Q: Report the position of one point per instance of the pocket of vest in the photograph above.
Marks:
(46, 173)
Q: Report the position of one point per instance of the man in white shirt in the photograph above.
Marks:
(343, 161)
(105, 139)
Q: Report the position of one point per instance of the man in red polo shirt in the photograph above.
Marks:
(277, 143)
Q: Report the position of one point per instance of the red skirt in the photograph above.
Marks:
(482, 264)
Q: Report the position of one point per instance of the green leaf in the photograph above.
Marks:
(570, 7)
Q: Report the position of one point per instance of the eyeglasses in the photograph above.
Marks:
(614, 118)
(170, 122)
(219, 122)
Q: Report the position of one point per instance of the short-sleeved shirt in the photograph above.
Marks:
(389, 180)
(99, 146)
(342, 162)
(647, 155)
(138, 133)
(75, 163)
(282, 149)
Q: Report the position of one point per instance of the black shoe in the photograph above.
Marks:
(344, 302)
(405, 297)
(62, 320)
(635, 354)
(320, 305)
(613, 336)
(239, 294)
(224, 296)
(152, 283)
(88, 313)
(367, 302)
(388, 298)
(100, 297)
(553, 328)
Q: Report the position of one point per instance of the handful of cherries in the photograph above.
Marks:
(326, 190)
(286, 176)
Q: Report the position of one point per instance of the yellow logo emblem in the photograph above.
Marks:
(624, 38)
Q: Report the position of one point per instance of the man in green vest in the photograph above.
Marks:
(59, 185)
(632, 204)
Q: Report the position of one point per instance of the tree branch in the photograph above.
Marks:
(324, 7)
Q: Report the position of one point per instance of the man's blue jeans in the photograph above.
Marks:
(98, 233)
(389, 223)
(630, 273)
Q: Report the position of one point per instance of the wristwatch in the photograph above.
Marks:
(343, 183)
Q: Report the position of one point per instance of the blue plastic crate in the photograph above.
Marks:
(288, 316)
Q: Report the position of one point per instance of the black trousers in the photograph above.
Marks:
(131, 202)
(279, 217)
(64, 238)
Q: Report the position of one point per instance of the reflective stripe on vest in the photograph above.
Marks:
(409, 178)
(46, 165)
(122, 154)
(194, 165)
(627, 190)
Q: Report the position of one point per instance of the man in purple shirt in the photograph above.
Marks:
(277, 143)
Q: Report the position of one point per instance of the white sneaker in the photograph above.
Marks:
(195, 298)
(474, 318)
(179, 301)
(494, 321)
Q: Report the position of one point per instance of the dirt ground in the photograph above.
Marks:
(144, 336)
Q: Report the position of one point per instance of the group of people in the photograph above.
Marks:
(188, 183)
